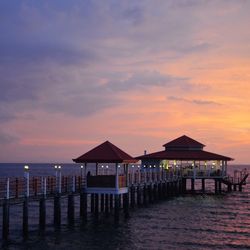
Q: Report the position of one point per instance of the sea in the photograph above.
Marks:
(184, 222)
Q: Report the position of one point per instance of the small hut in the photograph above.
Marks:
(115, 182)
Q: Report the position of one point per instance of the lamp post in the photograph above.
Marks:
(60, 180)
(27, 177)
(56, 175)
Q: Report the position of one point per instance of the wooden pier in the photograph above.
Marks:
(160, 176)
(144, 188)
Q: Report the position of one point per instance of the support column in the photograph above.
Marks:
(6, 220)
(57, 211)
(138, 196)
(71, 209)
(117, 208)
(215, 186)
(219, 185)
(83, 206)
(145, 194)
(42, 214)
(106, 204)
(25, 218)
(126, 205)
(92, 203)
(192, 185)
(132, 196)
(96, 205)
(102, 202)
(203, 185)
(184, 185)
(111, 201)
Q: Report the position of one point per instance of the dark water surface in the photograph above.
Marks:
(190, 222)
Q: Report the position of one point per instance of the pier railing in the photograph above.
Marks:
(19, 187)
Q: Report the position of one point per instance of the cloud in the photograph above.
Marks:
(147, 79)
(6, 138)
(194, 101)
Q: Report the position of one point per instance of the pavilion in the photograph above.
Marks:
(186, 157)
(115, 182)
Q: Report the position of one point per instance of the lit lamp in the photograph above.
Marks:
(81, 170)
(213, 164)
(26, 176)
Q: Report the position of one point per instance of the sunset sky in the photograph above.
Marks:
(137, 73)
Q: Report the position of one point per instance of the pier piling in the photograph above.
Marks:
(116, 214)
(71, 209)
(96, 206)
(25, 218)
(6, 220)
(57, 211)
(42, 214)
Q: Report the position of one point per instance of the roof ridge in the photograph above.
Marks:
(114, 149)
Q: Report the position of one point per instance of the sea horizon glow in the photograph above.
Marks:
(74, 74)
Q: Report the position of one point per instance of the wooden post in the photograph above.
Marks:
(219, 185)
(235, 187)
(6, 220)
(150, 193)
(180, 186)
(145, 194)
(203, 185)
(171, 188)
(71, 209)
(168, 188)
(102, 202)
(111, 201)
(126, 205)
(42, 214)
(25, 218)
(132, 196)
(175, 188)
(138, 195)
(83, 206)
(215, 186)
(184, 185)
(192, 185)
(229, 187)
(164, 190)
(240, 187)
(96, 206)
(155, 198)
(57, 211)
(160, 190)
(106, 204)
(92, 203)
(117, 208)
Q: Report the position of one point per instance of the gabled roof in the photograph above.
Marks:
(105, 153)
(184, 155)
(183, 142)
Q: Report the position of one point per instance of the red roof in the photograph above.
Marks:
(184, 148)
(184, 155)
(183, 142)
(105, 153)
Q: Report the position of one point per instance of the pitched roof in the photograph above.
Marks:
(183, 142)
(184, 155)
(105, 153)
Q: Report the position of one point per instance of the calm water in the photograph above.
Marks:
(190, 222)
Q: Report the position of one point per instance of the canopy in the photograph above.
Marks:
(105, 152)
